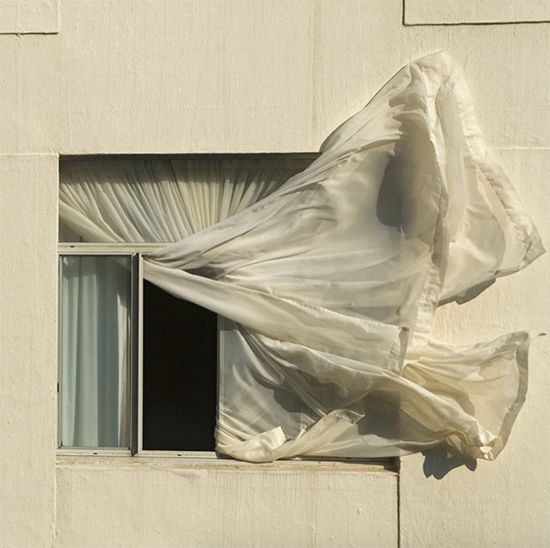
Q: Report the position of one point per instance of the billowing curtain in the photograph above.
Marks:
(329, 284)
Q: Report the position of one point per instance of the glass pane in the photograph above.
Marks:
(95, 351)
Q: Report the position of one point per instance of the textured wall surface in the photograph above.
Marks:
(456, 12)
(29, 16)
(28, 271)
(501, 503)
(151, 504)
(142, 76)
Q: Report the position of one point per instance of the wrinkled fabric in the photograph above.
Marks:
(329, 286)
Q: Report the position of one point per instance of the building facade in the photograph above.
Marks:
(247, 76)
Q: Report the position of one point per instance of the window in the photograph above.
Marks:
(126, 383)
(96, 351)
(105, 305)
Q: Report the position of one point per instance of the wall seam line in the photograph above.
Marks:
(398, 488)
(478, 23)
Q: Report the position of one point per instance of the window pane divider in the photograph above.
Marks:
(135, 355)
(138, 364)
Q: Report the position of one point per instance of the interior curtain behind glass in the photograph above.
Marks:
(94, 352)
(161, 200)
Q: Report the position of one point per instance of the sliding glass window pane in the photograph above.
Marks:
(94, 351)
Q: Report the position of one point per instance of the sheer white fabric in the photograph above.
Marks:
(157, 201)
(94, 351)
(330, 284)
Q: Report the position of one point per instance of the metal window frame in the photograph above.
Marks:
(136, 251)
(82, 249)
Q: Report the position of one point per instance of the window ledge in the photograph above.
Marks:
(212, 462)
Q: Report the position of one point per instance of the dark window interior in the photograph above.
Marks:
(179, 373)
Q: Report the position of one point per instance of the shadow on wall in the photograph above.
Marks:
(439, 461)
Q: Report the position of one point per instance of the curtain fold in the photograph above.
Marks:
(160, 201)
(330, 283)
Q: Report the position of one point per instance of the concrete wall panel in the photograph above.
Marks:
(457, 12)
(146, 504)
(28, 333)
(29, 16)
(503, 65)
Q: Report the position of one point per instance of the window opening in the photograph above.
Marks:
(179, 373)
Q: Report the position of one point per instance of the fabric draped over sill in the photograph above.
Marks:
(329, 284)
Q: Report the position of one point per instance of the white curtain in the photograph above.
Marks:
(94, 351)
(330, 284)
(164, 200)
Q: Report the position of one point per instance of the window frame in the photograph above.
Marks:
(137, 252)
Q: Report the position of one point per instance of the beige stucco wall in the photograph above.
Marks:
(28, 270)
(166, 503)
(218, 76)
